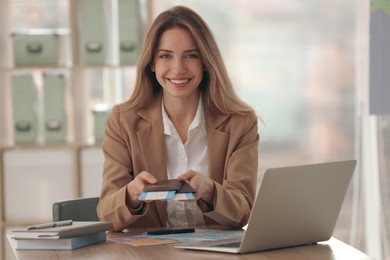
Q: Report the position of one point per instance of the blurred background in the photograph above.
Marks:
(304, 66)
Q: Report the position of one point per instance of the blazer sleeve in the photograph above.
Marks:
(234, 197)
(117, 173)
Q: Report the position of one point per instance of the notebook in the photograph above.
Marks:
(59, 244)
(296, 205)
(77, 228)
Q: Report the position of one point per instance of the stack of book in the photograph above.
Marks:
(62, 235)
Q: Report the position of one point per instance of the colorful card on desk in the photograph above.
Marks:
(168, 190)
(192, 237)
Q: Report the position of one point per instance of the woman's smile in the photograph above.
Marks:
(179, 82)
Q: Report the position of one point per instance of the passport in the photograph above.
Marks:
(164, 185)
(168, 190)
(185, 188)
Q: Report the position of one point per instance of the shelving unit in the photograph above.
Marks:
(30, 188)
(79, 159)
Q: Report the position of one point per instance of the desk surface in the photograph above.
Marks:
(330, 250)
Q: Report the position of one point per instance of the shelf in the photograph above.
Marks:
(30, 68)
(69, 67)
(49, 172)
(80, 162)
(50, 146)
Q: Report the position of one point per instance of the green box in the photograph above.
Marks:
(39, 47)
(100, 115)
(54, 108)
(24, 102)
(130, 31)
(93, 40)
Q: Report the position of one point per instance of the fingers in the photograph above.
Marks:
(187, 176)
(136, 186)
(139, 182)
(202, 185)
(146, 178)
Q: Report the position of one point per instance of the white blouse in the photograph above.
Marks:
(181, 158)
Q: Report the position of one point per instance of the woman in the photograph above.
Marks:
(183, 121)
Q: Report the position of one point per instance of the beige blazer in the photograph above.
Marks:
(134, 143)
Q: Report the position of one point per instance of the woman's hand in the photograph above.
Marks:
(203, 185)
(136, 186)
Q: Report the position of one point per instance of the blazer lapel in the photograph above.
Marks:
(153, 151)
(151, 140)
(217, 144)
(152, 144)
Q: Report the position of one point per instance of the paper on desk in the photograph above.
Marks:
(198, 236)
(144, 241)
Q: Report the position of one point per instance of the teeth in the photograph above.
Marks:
(181, 81)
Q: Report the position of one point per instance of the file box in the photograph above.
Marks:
(93, 32)
(130, 31)
(54, 108)
(24, 98)
(39, 47)
(100, 115)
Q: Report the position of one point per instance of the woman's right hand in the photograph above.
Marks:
(136, 186)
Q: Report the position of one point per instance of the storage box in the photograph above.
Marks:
(39, 47)
(54, 108)
(24, 103)
(100, 115)
(93, 31)
(130, 31)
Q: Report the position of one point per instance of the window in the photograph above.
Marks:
(294, 63)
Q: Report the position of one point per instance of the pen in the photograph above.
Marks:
(171, 231)
(52, 224)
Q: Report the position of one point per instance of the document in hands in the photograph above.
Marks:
(168, 190)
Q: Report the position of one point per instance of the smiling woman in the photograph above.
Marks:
(183, 121)
(179, 70)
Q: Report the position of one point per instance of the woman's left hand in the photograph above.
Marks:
(203, 185)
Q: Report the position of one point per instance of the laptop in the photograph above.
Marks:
(296, 205)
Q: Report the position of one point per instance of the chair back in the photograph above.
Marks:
(83, 209)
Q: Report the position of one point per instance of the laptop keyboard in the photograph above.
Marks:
(233, 244)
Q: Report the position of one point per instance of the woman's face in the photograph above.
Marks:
(177, 64)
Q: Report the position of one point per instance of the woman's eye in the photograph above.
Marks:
(164, 56)
(192, 56)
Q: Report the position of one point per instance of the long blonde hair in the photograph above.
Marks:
(215, 87)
